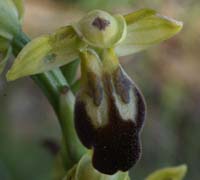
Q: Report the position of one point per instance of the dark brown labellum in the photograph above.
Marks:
(116, 143)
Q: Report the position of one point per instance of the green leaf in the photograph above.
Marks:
(5, 52)
(46, 52)
(172, 173)
(20, 7)
(4, 44)
(9, 19)
(4, 57)
(146, 28)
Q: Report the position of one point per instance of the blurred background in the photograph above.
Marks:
(168, 75)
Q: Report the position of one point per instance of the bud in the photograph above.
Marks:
(85, 171)
(173, 173)
(109, 113)
(100, 29)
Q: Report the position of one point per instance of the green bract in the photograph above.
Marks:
(171, 173)
(98, 29)
(11, 13)
(85, 171)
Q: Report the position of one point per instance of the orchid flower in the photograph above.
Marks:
(109, 108)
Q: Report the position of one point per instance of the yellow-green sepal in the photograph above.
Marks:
(85, 171)
(46, 52)
(10, 15)
(146, 28)
(138, 15)
(171, 173)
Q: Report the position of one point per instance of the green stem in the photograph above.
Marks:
(70, 70)
(76, 86)
(55, 87)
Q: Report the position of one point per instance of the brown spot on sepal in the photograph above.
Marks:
(117, 144)
(100, 23)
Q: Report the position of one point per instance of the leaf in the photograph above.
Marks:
(171, 173)
(4, 44)
(20, 7)
(5, 52)
(46, 52)
(5, 55)
(146, 28)
(9, 22)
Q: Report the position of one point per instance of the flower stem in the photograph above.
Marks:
(55, 86)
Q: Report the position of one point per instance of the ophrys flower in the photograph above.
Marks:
(109, 109)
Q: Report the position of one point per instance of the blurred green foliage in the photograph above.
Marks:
(168, 76)
(105, 4)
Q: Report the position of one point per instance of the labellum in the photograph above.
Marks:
(109, 113)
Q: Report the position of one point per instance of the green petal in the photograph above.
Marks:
(46, 52)
(172, 173)
(146, 28)
(9, 22)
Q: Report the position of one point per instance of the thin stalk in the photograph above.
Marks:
(55, 86)
(70, 70)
